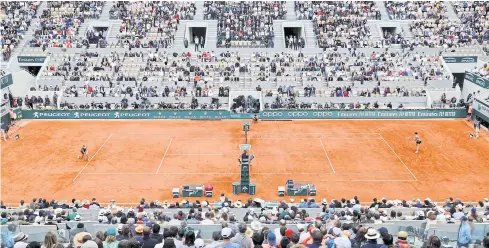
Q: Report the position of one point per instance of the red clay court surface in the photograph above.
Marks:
(135, 159)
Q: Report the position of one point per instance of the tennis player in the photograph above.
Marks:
(5, 132)
(417, 139)
(477, 127)
(13, 117)
(255, 118)
(84, 153)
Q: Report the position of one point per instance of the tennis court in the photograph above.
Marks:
(130, 160)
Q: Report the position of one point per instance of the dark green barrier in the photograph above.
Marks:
(5, 119)
(31, 59)
(269, 114)
(6, 81)
(463, 60)
(365, 114)
(481, 110)
(476, 79)
(124, 114)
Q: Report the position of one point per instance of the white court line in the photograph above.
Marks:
(238, 173)
(412, 174)
(164, 155)
(351, 138)
(92, 158)
(197, 154)
(238, 154)
(327, 156)
(119, 173)
(224, 181)
(284, 138)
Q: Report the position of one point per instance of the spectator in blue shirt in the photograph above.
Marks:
(303, 204)
(464, 233)
(312, 204)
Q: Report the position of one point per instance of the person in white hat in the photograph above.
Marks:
(372, 235)
(460, 212)
(21, 240)
(199, 243)
(256, 226)
(226, 236)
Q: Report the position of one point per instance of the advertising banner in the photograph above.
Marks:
(465, 59)
(365, 114)
(6, 81)
(31, 59)
(481, 109)
(268, 114)
(477, 79)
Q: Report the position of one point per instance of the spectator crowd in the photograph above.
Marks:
(59, 23)
(150, 24)
(250, 22)
(415, 10)
(340, 24)
(341, 223)
(17, 17)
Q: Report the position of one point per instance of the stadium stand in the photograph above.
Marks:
(15, 20)
(413, 10)
(154, 26)
(342, 24)
(244, 24)
(411, 222)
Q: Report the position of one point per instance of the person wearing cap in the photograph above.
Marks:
(271, 240)
(402, 239)
(372, 235)
(124, 233)
(20, 240)
(241, 239)
(460, 212)
(199, 243)
(226, 236)
(216, 237)
(138, 234)
(464, 235)
(110, 240)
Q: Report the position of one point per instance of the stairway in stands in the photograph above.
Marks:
(289, 5)
(199, 13)
(211, 35)
(383, 10)
(279, 41)
(180, 36)
(105, 15)
(451, 12)
(311, 40)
